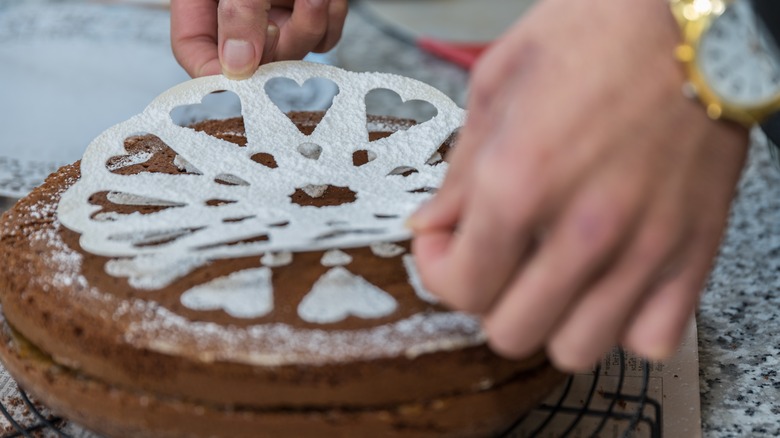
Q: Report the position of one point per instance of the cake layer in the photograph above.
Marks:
(117, 412)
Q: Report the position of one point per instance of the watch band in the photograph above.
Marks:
(769, 12)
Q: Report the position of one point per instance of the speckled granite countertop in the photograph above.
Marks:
(739, 318)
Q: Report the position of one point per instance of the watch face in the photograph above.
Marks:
(739, 59)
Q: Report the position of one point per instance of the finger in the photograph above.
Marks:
(429, 249)
(487, 106)
(194, 36)
(271, 41)
(603, 312)
(497, 222)
(657, 329)
(586, 238)
(242, 28)
(658, 326)
(337, 15)
(304, 30)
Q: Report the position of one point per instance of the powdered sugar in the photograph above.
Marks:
(153, 271)
(335, 257)
(160, 330)
(277, 259)
(66, 262)
(129, 160)
(387, 249)
(384, 198)
(339, 294)
(416, 281)
(243, 294)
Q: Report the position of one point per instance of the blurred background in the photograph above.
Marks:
(70, 69)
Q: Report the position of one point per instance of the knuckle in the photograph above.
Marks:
(490, 177)
(461, 295)
(482, 88)
(662, 236)
(315, 33)
(241, 9)
(510, 207)
(338, 9)
(654, 245)
(598, 226)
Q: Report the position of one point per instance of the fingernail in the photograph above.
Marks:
(271, 39)
(659, 351)
(272, 33)
(238, 59)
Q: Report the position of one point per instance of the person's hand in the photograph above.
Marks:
(235, 36)
(586, 196)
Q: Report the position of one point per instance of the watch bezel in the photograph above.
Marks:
(694, 23)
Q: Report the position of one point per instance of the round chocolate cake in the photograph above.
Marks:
(138, 299)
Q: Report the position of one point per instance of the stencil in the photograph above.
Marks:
(239, 202)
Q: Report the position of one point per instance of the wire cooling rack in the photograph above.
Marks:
(626, 414)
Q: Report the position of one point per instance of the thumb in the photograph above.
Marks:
(242, 27)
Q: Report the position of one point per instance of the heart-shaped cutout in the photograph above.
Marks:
(387, 103)
(316, 94)
(146, 153)
(218, 105)
(339, 294)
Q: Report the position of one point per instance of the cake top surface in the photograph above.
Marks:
(269, 239)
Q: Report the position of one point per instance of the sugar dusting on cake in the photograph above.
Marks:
(339, 294)
(161, 330)
(66, 263)
(151, 262)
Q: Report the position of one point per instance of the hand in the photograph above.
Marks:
(586, 196)
(234, 37)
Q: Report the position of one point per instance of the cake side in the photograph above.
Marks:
(119, 412)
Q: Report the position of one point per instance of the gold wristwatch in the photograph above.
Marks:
(732, 61)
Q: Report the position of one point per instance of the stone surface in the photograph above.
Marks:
(739, 316)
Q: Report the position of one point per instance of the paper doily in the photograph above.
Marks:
(189, 229)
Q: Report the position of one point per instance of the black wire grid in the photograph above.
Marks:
(42, 422)
(647, 411)
(644, 410)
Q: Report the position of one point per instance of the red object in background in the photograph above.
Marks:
(462, 54)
